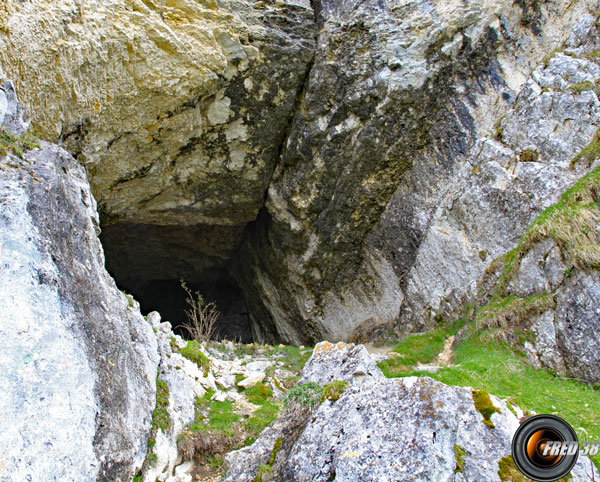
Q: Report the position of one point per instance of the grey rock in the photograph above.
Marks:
(340, 361)
(14, 116)
(498, 192)
(541, 270)
(386, 201)
(394, 429)
(544, 350)
(577, 322)
(77, 388)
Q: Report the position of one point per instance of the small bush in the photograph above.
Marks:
(201, 315)
(305, 394)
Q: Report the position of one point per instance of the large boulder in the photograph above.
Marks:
(77, 386)
(391, 429)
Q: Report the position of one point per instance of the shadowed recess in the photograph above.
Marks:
(149, 261)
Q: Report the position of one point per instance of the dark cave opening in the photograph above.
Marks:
(149, 262)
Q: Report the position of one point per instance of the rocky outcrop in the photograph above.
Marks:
(77, 385)
(390, 201)
(176, 109)
(344, 169)
(392, 429)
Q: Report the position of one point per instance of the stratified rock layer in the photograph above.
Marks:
(390, 200)
(176, 109)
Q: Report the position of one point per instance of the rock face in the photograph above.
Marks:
(176, 109)
(390, 201)
(393, 429)
(77, 385)
(342, 169)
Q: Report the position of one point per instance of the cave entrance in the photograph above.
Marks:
(149, 262)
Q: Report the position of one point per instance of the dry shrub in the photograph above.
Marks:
(202, 316)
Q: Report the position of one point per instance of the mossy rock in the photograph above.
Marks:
(332, 391)
(193, 352)
(459, 453)
(484, 405)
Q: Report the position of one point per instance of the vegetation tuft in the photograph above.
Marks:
(333, 391)
(193, 352)
(459, 453)
(484, 405)
(305, 394)
(17, 145)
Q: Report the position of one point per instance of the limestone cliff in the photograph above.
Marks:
(77, 384)
(335, 169)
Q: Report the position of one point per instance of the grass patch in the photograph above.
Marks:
(571, 223)
(193, 352)
(417, 349)
(260, 420)
(17, 145)
(512, 311)
(496, 368)
(293, 358)
(259, 393)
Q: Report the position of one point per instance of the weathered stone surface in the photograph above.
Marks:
(506, 182)
(347, 363)
(541, 270)
(176, 109)
(391, 429)
(577, 322)
(77, 385)
(388, 194)
(358, 438)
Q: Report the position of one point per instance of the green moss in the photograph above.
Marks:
(193, 352)
(332, 391)
(484, 405)
(160, 416)
(509, 472)
(160, 419)
(138, 477)
(276, 447)
(459, 453)
(16, 145)
(263, 470)
(305, 394)
(529, 155)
